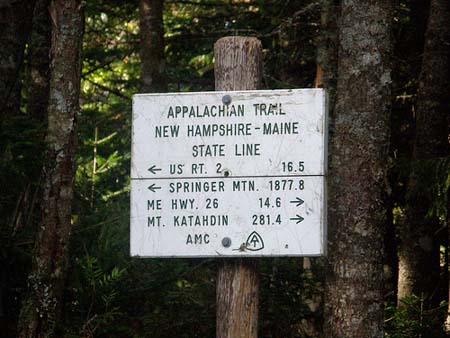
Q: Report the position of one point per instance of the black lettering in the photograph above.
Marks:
(208, 150)
(166, 131)
(243, 185)
(154, 204)
(154, 221)
(189, 186)
(198, 239)
(282, 128)
(170, 113)
(176, 169)
(247, 149)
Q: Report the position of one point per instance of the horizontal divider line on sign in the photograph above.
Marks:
(220, 177)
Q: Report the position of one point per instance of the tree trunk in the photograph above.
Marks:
(409, 43)
(15, 23)
(326, 77)
(327, 49)
(39, 62)
(153, 75)
(419, 255)
(447, 267)
(238, 66)
(38, 87)
(358, 158)
(40, 311)
(390, 264)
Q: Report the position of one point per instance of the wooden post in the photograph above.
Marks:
(238, 66)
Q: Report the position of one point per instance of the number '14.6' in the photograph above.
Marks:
(269, 203)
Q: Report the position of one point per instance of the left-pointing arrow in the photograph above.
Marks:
(153, 188)
(297, 218)
(153, 169)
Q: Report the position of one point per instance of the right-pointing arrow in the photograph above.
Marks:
(297, 218)
(298, 201)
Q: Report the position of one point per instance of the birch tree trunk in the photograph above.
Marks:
(419, 254)
(358, 158)
(153, 75)
(238, 66)
(40, 311)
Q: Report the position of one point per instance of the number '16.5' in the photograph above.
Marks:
(290, 167)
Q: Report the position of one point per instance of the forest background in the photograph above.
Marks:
(108, 294)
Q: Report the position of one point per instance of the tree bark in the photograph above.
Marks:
(447, 267)
(390, 264)
(153, 75)
(327, 49)
(326, 77)
(419, 254)
(238, 66)
(358, 158)
(15, 23)
(38, 87)
(39, 62)
(409, 43)
(40, 311)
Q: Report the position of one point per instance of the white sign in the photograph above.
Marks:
(229, 174)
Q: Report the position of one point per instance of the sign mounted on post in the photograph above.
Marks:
(229, 174)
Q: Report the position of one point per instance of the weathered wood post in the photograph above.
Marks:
(238, 66)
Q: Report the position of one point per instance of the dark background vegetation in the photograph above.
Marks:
(107, 293)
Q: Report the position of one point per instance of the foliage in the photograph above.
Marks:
(109, 294)
(288, 283)
(95, 298)
(411, 320)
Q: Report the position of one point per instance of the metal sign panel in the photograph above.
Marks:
(229, 174)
